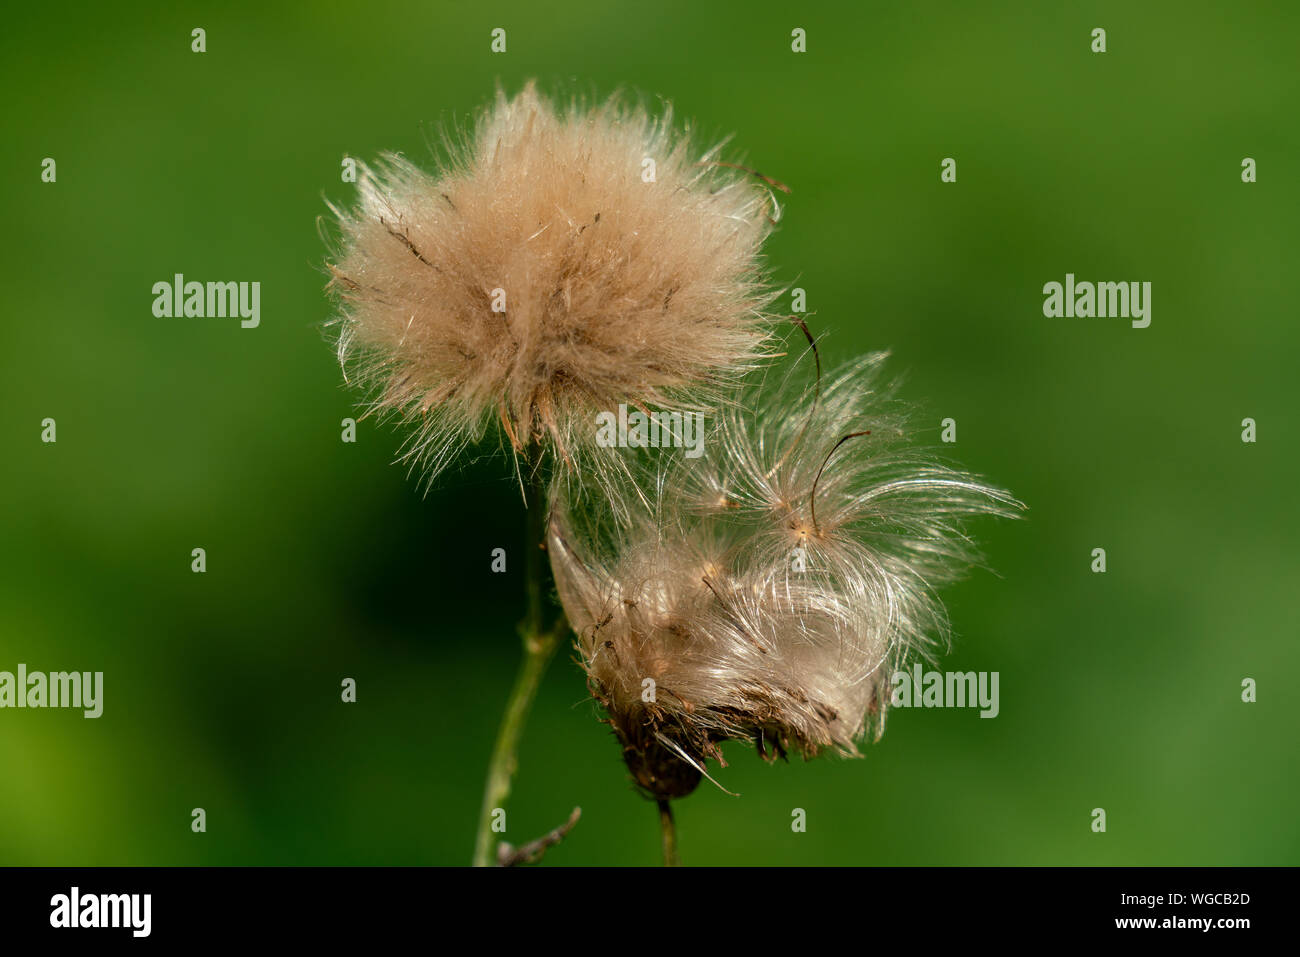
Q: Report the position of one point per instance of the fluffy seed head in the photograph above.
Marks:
(566, 261)
(773, 586)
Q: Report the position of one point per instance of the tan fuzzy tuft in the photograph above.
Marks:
(615, 289)
(768, 590)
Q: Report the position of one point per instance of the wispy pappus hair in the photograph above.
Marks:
(773, 586)
(616, 290)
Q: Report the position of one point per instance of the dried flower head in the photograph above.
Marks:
(566, 261)
(773, 586)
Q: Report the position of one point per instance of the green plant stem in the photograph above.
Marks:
(539, 644)
(537, 655)
(669, 828)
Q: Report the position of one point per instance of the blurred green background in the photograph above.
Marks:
(1119, 691)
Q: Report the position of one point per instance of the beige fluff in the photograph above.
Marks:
(615, 289)
(701, 590)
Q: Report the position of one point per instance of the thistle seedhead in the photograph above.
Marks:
(566, 261)
(774, 585)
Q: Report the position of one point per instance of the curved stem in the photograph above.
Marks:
(539, 644)
(669, 828)
(501, 769)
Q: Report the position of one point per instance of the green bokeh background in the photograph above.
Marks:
(1119, 691)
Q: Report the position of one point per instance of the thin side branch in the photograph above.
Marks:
(532, 852)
